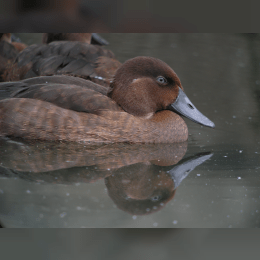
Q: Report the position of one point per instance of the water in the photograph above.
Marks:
(70, 185)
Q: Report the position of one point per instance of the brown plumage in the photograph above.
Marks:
(36, 119)
(136, 108)
(75, 57)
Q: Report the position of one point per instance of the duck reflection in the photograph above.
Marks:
(149, 188)
(140, 178)
(36, 157)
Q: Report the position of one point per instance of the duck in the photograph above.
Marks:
(76, 54)
(10, 46)
(144, 104)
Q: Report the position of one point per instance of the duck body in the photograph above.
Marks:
(136, 108)
(50, 122)
(77, 56)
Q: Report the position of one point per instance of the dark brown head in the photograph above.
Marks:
(145, 85)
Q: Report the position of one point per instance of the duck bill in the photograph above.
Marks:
(97, 39)
(184, 107)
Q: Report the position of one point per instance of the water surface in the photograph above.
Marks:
(121, 185)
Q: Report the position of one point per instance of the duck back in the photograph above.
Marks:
(64, 58)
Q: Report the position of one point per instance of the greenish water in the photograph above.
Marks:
(60, 185)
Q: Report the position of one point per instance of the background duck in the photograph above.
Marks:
(9, 49)
(90, 38)
(77, 54)
(142, 105)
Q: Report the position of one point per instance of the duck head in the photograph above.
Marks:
(143, 86)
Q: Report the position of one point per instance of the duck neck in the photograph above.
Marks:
(166, 126)
(134, 100)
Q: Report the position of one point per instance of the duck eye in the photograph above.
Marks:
(162, 80)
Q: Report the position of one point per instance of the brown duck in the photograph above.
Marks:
(144, 104)
(76, 54)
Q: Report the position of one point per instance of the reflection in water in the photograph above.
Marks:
(181, 171)
(144, 189)
(35, 156)
(140, 178)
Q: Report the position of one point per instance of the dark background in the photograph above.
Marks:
(129, 16)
